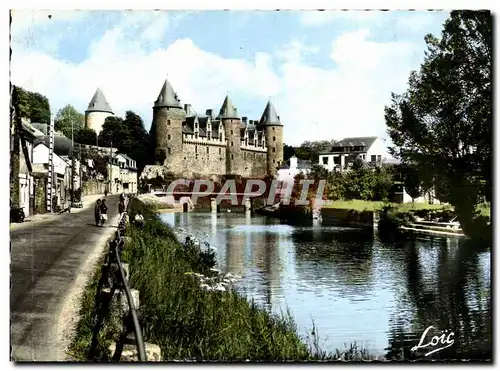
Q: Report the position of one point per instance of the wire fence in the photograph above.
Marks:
(114, 280)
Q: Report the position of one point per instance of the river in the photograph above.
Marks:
(355, 286)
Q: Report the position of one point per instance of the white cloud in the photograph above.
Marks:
(345, 99)
(295, 50)
(319, 18)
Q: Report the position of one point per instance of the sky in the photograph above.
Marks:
(329, 74)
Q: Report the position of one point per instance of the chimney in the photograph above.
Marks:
(209, 113)
(244, 119)
(187, 108)
(293, 162)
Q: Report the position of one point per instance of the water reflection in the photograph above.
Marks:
(381, 293)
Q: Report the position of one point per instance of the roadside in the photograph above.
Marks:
(49, 264)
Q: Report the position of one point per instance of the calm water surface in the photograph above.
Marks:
(355, 286)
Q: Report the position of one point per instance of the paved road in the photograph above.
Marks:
(45, 260)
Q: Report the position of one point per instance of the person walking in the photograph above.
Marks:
(104, 212)
(121, 207)
(105, 193)
(97, 212)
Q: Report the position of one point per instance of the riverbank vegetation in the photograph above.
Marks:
(442, 125)
(190, 321)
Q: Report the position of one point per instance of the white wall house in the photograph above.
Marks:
(62, 171)
(26, 182)
(342, 155)
(122, 174)
(292, 167)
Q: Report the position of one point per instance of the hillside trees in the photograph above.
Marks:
(33, 106)
(129, 136)
(443, 122)
(67, 117)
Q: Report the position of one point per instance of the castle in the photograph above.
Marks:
(188, 144)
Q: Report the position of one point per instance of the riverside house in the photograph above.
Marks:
(371, 150)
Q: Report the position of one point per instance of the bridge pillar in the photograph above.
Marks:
(248, 204)
(213, 205)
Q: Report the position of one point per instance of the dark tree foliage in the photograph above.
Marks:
(128, 136)
(443, 122)
(33, 106)
(309, 150)
(411, 180)
(288, 151)
(86, 136)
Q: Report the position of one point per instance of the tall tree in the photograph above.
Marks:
(443, 122)
(66, 117)
(411, 181)
(33, 106)
(128, 136)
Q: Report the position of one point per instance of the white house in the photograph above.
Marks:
(292, 167)
(62, 171)
(123, 174)
(342, 155)
(26, 183)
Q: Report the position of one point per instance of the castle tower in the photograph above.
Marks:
(231, 121)
(166, 129)
(273, 130)
(97, 111)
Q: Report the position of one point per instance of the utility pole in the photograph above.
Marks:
(110, 165)
(50, 190)
(72, 166)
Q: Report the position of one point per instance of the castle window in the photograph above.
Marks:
(274, 128)
(208, 149)
(168, 122)
(195, 149)
(274, 161)
(209, 135)
(220, 151)
(169, 151)
(220, 137)
(246, 142)
(274, 150)
(196, 135)
(232, 157)
(231, 132)
(274, 139)
(232, 144)
(244, 155)
(168, 136)
(196, 156)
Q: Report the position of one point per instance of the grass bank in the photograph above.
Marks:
(361, 205)
(189, 312)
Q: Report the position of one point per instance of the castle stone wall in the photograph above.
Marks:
(253, 163)
(233, 153)
(202, 160)
(168, 134)
(274, 144)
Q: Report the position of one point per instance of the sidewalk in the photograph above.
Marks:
(87, 202)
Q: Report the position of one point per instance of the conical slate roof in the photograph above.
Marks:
(99, 103)
(269, 116)
(167, 97)
(227, 110)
